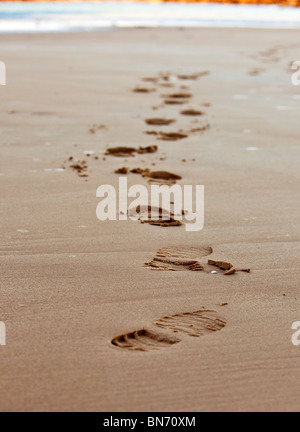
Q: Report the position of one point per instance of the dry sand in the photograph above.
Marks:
(70, 284)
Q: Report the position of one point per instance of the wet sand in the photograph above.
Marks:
(71, 285)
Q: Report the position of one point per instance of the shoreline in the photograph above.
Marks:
(36, 17)
(142, 28)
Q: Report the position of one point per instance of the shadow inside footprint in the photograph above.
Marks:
(144, 340)
(174, 264)
(143, 90)
(192, 112)
(178, 96)
(196, 324)
(161, 177)
(159, 121)
(129, 151)
(179, 259)
(174, 102)
(171, 136)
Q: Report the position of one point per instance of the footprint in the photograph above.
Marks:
(167, 136)
(188, 259)
(193, 76)
(196, 324)
(148, 149)
(191, 112)
(153, 177)
(174, 102)
(129, 151)
(179, 259)
(120, 151)
(171, 136)
(178, 96)
(144, 340)
(159, 121)
(154, 216)
(143, 90)
(161, 177)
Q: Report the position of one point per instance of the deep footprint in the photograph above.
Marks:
(179, 259)
(144, 340)
(196, 324)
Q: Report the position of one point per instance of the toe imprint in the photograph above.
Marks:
(144, 340)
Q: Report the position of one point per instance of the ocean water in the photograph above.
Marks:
(63, 17)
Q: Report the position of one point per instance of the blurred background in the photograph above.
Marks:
(54, 16)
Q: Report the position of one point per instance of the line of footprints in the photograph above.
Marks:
(198, 323)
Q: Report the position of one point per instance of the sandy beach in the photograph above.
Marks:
(70, 284)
